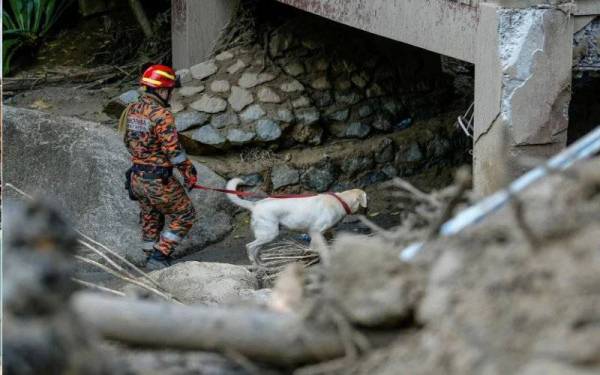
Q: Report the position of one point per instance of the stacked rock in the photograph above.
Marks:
(295, 92)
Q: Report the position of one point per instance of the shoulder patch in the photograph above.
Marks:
(138, 124)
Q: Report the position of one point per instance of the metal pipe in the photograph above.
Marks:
(582, 149)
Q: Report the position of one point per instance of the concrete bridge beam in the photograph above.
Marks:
(522, 90)
(195, 26)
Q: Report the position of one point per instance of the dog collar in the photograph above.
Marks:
(344, 204)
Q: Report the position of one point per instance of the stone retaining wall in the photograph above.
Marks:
(305, 87)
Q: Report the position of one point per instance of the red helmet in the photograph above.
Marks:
(158, 77)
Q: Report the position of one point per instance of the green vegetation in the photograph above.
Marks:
(25, 23)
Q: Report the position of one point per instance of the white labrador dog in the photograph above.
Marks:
(312, 215)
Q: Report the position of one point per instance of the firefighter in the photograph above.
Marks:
(167, 213)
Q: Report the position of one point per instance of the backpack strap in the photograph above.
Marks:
(122, 127)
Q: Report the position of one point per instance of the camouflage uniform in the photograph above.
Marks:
(151, 139)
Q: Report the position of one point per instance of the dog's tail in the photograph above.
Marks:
(232, 185)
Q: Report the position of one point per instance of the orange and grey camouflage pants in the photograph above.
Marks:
(160, 202)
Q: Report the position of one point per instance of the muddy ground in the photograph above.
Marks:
(88, 104)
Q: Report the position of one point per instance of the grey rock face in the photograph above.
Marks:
(292, 86)
(176, 106)
(219, 86)
(80, 165)
(294, 69)
(116, 106)
(252, 113)
(267, 130)
(408, 153)
(390, 171)
(205, 283)
(319, 177)
(356, 165)
(349, 98)
(236, 67)
(185, 76)
(284, 175)
(307, 116)
(190, 90)
(223, 56)
(208, 135)
(224, 119)
(385, 151)
(209, 104)
(358, 129)
(438, 147)
(249, 80)
(320, 83)
(239, 98)
(238, 137)
(381, 123)
(267, 95)
(285, 115)
(341, 115)
(189, 119)
(301, 102)
(204, 69)
(365, 110)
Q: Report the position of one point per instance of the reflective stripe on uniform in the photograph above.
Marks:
(180, 158)
(148, 245)
(171, 236)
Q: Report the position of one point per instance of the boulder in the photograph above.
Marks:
(224, 119)
(252, 113)
(220, 86)
(225, 55)
(307, 116)
(267, 130)
(116, 106)
(209, 104)
(194, 282)
(207, 135)
(239, 98)
(249, 80)
(267, 95)
(190, 90)
(80, 166)
(204, 69)
(358, 129)
(319, 177)
(292, 86)
(284, 175)
(408, 152)
(236, 67)
(294, 69)
(239, 137)
(189, 119)
(357, 164)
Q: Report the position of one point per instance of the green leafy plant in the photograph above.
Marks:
(25, 23)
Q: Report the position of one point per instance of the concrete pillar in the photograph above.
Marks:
(522, 90)
(195, 26)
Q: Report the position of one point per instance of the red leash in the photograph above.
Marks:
(276, 196)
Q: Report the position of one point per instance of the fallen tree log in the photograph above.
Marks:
(279, 339)
(82, 76)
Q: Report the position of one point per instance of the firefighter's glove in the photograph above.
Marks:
(189, 173)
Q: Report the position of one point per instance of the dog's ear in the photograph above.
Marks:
(362, 198)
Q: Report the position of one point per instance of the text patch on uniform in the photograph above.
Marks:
(138, 124)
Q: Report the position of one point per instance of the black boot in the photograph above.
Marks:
(158, 261)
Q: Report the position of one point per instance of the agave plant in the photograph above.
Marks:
(26, 22)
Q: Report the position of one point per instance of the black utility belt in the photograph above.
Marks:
(153, 171)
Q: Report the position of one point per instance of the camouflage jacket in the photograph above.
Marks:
(151, 137)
